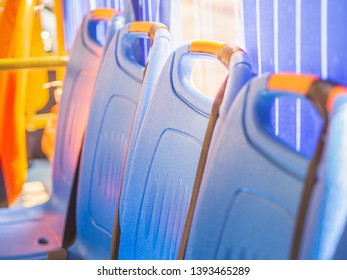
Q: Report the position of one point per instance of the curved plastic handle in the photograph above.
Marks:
(315, 90)
(322, 94)
(126, 36)
(90, 31)
(291, 82)
(104, 14)
(299, 85)
(221, 50)
(146, 27)
(183, 62)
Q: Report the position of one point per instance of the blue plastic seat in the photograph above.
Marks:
(305, 37)
(78, 93)
(324, 234)
(254, 179)
(117, 91)
(28, 233)
(164, 155)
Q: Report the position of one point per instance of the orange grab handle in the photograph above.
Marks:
(222, 50)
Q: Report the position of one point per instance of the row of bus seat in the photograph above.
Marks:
(167, 173)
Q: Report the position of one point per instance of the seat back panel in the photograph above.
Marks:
(166, 195)
(160, 177)
(165, 161)
(76, 121)
(74, 107)
(251, 190)
(246, 244)
(106, 143)
(327, 215)
(246, 200)
(169, 157)
(109, 159)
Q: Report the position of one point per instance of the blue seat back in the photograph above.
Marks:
(253, 179)
(75, 103)
(297, 36)
(305, 37)
(323, 236)
(117, 90)
(161, 170)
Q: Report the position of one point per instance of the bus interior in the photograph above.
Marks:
(173, 130)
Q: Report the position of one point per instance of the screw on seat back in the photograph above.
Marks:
(160, 171)
(115, 103)
(255, 178)
(29, 233)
